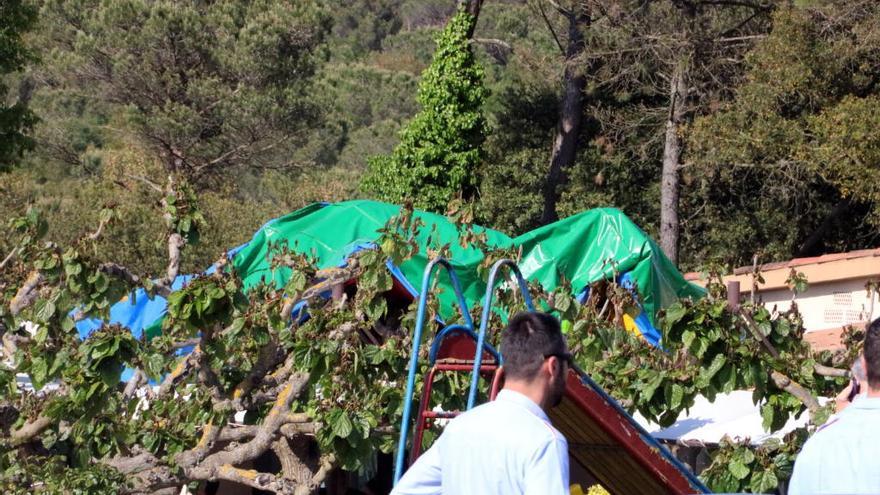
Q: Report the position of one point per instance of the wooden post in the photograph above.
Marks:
(733, 295)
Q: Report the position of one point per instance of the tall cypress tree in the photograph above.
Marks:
(441, 147)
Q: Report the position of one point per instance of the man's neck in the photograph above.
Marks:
(530, 390)
(872, 392)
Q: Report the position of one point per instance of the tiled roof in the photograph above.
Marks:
(825, 258)
(815, 263)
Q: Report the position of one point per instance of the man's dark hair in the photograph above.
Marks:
(528, 339)
(872, 354)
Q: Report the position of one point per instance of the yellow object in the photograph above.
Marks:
(576, 489)
(597, 490)
(630, 324)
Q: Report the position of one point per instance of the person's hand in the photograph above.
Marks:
(842, 401)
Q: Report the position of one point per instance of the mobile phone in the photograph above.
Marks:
(854, 391)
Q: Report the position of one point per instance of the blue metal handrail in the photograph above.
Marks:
(484, 319)
(414, 357)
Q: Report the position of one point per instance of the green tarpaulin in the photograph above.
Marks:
(585, 248)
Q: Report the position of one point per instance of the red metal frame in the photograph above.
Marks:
(424, 416)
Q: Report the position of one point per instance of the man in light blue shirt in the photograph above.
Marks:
(842, 456)
(507, 446)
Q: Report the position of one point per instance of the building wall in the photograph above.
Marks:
(827, 305)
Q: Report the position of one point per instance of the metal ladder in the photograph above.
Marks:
(451, 340)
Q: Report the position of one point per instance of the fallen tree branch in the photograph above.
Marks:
(328, 462)
(11, 343)
(831, 372)
(267, 433)
(9, 257)
(183, 367)
(94, 236)
(270, 356)
(493, 41)
(195, 455)
(330, 277)
(30, 430)
(795, 389)
(175, 245)
(255, 479)
(756, 332)
(129, 465)
(152, 185)
(139, 378)
(26, 294)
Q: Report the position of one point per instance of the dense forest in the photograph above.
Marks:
(726, 129)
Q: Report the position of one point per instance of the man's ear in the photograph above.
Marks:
(554, 366)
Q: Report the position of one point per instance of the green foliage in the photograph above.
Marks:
(353, 388)
(137, 88)
(739, 467)
(17, 475)
(204, 86)
(441, 147)
(362, 26)
(793, 141)
(845, 149)
(17, 17)
(181, 212)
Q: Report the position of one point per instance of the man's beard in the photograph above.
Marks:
(557, 390)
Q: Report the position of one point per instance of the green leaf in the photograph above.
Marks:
(726, 378)
(687, 338)
(561, 301)
(39, 371)
(765, 327)
(154, 365)
(651, 387)
(110, 372)
(767, 416)
(41, 335)
(67, 324)
(674, 314)
(106, 215)
(73, 269)
(46, 310)
(783, 326)
(677, 394)
(763, 482)
(295, 283)
(342, 426)
(699, 346)
(738, 469)
(717, 363)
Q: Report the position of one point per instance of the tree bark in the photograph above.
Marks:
(472, 7)
(570, 114)
(672, 150)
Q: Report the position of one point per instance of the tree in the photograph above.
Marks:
(668, 61)
(16, 18)
(774, 152)
(205, 86)
(571, 110)
(441, 147)
(324, 393)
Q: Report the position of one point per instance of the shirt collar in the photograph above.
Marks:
(521, 400)
(862, 402)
